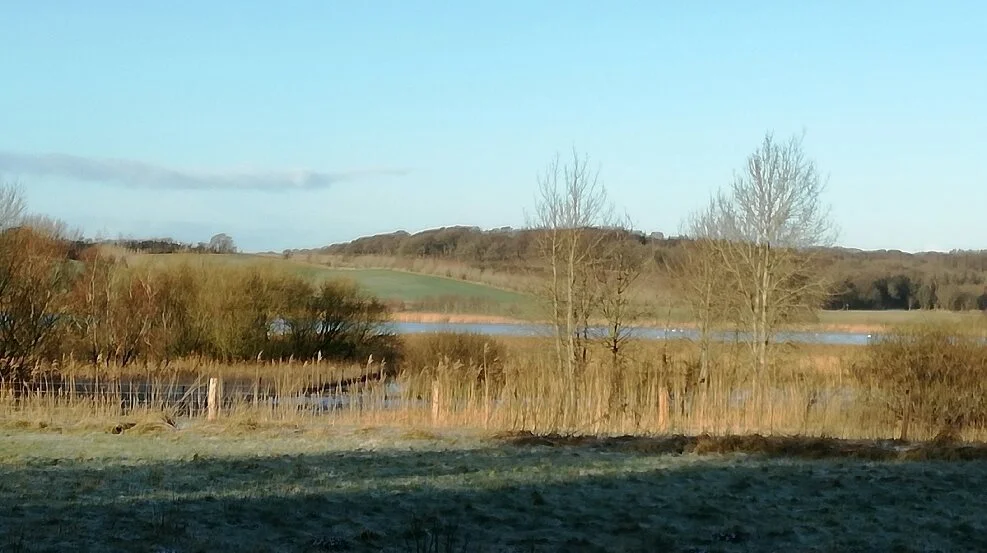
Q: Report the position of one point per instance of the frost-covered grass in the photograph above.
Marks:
(364, 489)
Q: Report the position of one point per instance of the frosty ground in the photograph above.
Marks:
(244, 489)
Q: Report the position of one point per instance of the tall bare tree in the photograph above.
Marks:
(767, 227)
(700, 281)
(619, 266)
(571, 212)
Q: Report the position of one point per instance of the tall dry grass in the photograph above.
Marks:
(88, 393)
(654, 390)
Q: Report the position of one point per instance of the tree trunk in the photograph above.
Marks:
(762, 316)
(570, 327)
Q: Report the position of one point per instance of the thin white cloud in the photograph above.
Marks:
(137, 174)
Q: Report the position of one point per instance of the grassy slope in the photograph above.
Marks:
(405, 286)
(463, 297)
(442, 293)
(195, 490)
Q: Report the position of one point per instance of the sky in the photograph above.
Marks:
(297, 124)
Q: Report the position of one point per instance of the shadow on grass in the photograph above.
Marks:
(797, 447)
(604, 496)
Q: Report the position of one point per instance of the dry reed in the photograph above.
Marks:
(653, 391)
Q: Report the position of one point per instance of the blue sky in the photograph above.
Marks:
(341, 119)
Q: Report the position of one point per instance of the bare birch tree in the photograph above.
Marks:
(768, 225)
(571, 210)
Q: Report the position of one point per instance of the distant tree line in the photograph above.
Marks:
(503, 248)
(220, 243)
(894, 280)
(864, 280)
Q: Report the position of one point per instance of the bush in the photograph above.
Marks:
(34, 272)
(468, 350)
(931, 376)
(337, 320)
(126, 314)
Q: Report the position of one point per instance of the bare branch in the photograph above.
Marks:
(12, 204)
(762, 233)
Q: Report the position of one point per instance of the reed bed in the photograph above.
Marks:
(652, 390)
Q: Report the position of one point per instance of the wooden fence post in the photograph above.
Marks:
(213, 399)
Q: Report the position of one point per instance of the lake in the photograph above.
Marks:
(517, 329)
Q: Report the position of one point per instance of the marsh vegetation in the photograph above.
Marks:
(335, 433)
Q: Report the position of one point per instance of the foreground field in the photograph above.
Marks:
(364, 489)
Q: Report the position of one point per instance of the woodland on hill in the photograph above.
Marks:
(860, 280)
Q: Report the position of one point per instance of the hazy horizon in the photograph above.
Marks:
(293, 127)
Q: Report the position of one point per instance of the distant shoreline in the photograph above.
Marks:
(466, 318)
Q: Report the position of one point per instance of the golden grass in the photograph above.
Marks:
(654, 392)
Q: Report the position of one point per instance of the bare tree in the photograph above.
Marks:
(620, 264)
(51, 227)
(767, 226)
(12, 205)
(572, 209)
(617, 271)
(115, 309)
(701, 282)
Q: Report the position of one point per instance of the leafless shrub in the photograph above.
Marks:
(930, 377)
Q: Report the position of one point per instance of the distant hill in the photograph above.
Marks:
(881, 279)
